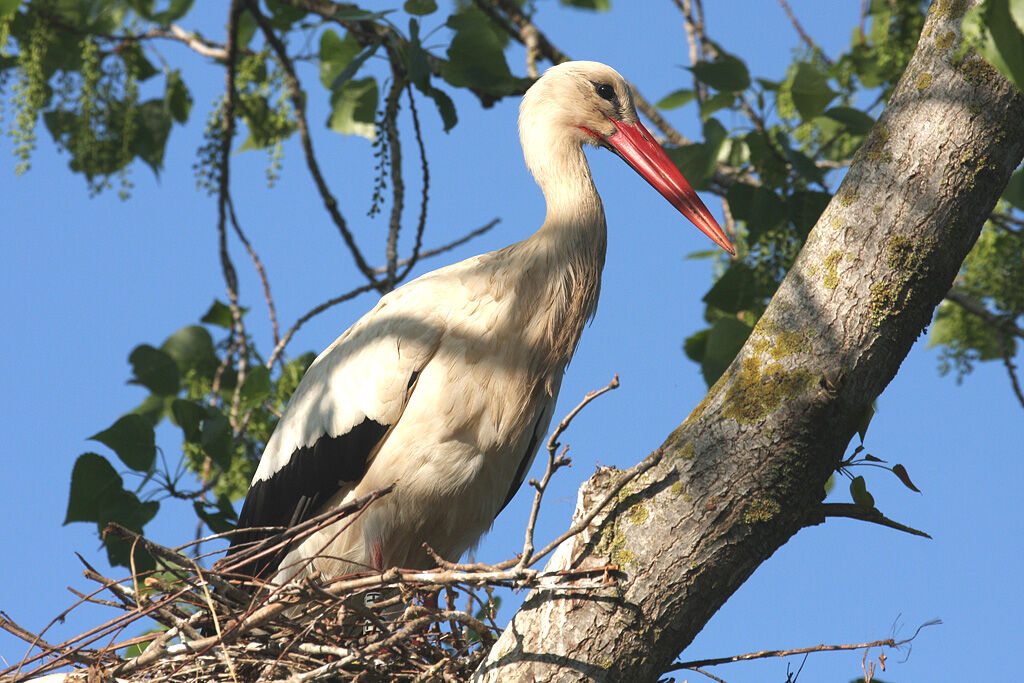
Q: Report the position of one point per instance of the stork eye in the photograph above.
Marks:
(605, 91)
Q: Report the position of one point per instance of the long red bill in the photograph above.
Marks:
(637, 147)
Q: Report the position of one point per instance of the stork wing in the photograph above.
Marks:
(352, 394)
(540, 427)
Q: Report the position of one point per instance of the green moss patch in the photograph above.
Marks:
(757, 391)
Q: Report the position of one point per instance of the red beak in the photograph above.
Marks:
(637, 147)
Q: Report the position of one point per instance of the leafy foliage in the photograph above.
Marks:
(996, 30)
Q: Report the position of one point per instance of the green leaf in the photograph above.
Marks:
(727, 73)
(476, 54)
(599, 5)
(175, 10)
(676, 99)
(695, 346)
(420, 7)
(189, 416)
(97, 495)
(335, 54)
(283, 15)
(153, 128)
(246, 27)
(715, 103)
(350, 70)
(445, 107)
(766, 160)
(418, 69)
(693, 161)
(997, 32)
(154, 407)
(93, 481)
(805, 166)
(737, 290)
(257, 384)
(291, 375)
(725, 340)
(859, 492)
(135, 60)
(155, 370)
(758, 206)
(216, 437)
(220, 517)
(177, 98)
(353, 108)
(804, 208)
(955, 328)
(191, 347)
(219, 314)
(901, 472)
(855, 120)
(697, 161)
(810, 91)
(132, 439)
(8, 8)
(1014, 192)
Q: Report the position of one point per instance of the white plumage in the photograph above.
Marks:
(446, 387)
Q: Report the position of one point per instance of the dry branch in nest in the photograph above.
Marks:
(183, 622)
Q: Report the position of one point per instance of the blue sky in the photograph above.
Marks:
(85, 280)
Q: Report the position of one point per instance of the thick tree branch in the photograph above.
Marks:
(747, 469)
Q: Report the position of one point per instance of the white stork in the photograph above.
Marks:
(446, 388)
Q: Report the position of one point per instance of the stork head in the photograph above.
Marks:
(578, 103)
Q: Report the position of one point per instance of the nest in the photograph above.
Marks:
(183, 622)
(217, 625)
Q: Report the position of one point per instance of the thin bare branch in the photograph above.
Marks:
(764, 654)
(394, 150)
(298, 101)
(410, 262)
(446, 247)
(312, 313)
(626, 477)
(802, 33)
(258, 264)
(555, 462)
(1011, 369)
(977, 308)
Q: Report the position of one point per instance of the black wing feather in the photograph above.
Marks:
(294, 493)
(524, 463)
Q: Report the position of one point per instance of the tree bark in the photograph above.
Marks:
(747, 468)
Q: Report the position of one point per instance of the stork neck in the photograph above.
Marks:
(574, 209)
(563, 260)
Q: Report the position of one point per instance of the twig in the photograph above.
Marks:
(977, 308)
(555, 462)
(410, 262)
(258, 265)
(394, 151)
(1011, 369)
(626, 477)
(803, 34)
(864, 514)
(444, 248)
(298, 100)
(313, 312)
(695, 42)
(764, 654)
